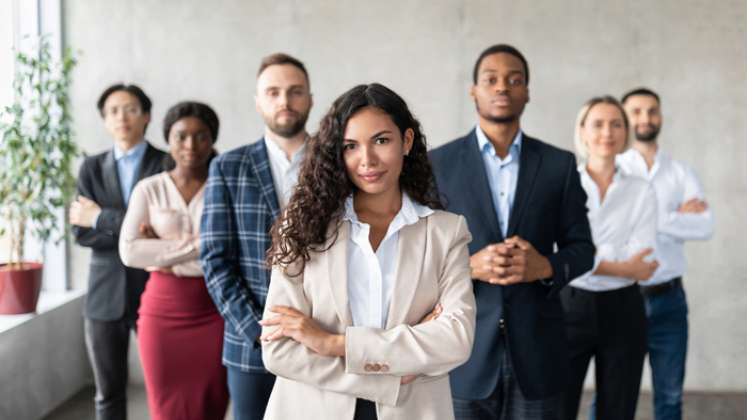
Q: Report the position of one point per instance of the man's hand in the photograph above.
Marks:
(83, 212)
(638, 269)
(293, 324)
(526, 263)
(693, 206)
(485, 264)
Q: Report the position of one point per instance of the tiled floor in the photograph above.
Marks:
(698, 406)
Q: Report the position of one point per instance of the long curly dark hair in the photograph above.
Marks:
(324, 184)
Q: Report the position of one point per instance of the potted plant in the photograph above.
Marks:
(36, 157)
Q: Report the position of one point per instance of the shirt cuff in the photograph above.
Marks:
(95, 219)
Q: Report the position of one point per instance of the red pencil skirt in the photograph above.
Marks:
(180, 338)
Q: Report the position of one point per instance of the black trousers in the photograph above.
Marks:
(364, 410)
(609, 326)
(108, 343)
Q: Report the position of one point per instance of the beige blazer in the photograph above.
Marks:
(433, 267)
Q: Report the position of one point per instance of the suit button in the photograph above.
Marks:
(376, 367)
(384, 367)
(368, 367)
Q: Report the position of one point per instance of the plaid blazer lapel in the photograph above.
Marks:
(261, 166)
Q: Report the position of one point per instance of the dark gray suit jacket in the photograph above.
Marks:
(113, 289)
(549, 211)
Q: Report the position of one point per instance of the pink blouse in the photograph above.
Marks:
(156, 201)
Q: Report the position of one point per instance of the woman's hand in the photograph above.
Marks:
(147, 231)
(638, 268)
(293, 324)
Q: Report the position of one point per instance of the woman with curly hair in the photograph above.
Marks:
(370, 303)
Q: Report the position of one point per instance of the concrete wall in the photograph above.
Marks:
(692, 52)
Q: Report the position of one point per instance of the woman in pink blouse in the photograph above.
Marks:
(180, 333)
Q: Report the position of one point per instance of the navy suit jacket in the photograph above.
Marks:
(240, 207)
(549, 211)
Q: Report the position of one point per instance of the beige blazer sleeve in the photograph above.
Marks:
(432, 348)
(140, 252)
(289, 359)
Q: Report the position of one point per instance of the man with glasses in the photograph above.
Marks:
(104, 185)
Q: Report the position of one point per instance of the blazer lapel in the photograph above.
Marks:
(149, 163)
(411, 256)
(261, 165)
(111, 180)
(530, 162)
(476, 181)
(337, 271)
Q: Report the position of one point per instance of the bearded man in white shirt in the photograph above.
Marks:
(683, 214)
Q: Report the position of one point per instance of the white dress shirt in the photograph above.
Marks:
(622, 224)
(371, 275)
(674, 183)
(284, 171)
(503, 175)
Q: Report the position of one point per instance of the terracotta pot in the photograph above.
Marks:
(19, 288)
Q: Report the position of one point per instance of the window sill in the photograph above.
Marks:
(48, 301)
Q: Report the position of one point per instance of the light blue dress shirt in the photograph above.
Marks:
(128, 163)
(502, 174)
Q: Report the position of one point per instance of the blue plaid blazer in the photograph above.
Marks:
(240, 207)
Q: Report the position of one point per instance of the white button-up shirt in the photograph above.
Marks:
(284, 171)
(674, 183)
(503, 175)
(622, 224)
(371, 275)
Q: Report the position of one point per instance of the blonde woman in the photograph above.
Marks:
(605, 316)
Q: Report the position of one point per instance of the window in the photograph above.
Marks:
(20, 22)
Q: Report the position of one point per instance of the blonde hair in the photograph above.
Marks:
(581, 150)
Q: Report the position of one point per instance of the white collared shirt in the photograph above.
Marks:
(371, 275)
(674, 183)
(622, 224)
(284, 171)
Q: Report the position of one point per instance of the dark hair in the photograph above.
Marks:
(279, 59)
(194, 109)
(134, 90)
(641, 91)
(323, 183)
(186, 109)
(500, 48)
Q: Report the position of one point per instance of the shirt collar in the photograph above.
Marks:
(619, 173)
(484, 144)
(276, 152)
(408, 214)
(136, 152)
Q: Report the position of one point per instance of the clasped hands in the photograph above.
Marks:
(512, 261)
(292, 323)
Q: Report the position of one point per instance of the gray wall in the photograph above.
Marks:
(692, 52)
(44, 362)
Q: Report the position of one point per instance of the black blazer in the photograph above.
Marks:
(113, 289)
(549, 211)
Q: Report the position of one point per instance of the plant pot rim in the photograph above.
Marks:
(24, 266)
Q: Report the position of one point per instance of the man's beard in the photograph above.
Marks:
(290, 129)
(649, 136)
(503, 119)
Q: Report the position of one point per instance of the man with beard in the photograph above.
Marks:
(683, 215)
(246, 190)
(526, 210)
